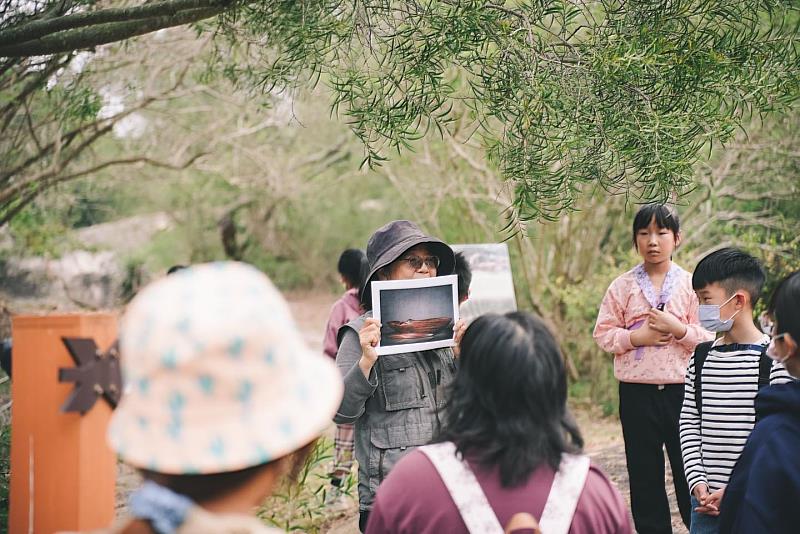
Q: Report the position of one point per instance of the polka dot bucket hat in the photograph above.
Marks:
(217, 376)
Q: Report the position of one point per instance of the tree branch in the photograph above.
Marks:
(100, 34)
(34, 84)
(43, 185)
(43, 27)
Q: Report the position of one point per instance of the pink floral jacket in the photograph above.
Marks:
(625, 307)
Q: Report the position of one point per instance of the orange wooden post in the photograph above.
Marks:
(63, 474)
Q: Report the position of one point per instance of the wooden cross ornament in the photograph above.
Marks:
(95, 373)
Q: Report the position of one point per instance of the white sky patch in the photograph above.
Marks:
(113, 103)
(27, 7)
(53, 80)
(281, 112)
(133, 126)
(74, 68)
(80, 61)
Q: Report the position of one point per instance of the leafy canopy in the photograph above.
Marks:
(564, 95)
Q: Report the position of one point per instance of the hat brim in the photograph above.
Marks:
(439, 248)
(270, 425)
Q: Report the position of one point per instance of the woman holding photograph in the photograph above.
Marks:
(394, 400)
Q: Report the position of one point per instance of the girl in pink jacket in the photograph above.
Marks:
(649, 320)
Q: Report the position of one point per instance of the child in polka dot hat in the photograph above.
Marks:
(221, 394)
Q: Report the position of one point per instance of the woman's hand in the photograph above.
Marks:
(458, 333)
(369, 336)
(666, 323)
(645, 336)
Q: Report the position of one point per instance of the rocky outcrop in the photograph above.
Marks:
(78, 280)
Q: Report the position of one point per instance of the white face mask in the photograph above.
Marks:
(710, 317)
(766, 324)
(771, 350)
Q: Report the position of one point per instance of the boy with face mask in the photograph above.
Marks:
(722, 379)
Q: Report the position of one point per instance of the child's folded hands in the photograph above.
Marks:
(665, 322)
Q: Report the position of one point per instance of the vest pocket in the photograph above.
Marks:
(402, 382)
(388, 445)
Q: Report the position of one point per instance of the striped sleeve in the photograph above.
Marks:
(778, 374)
(690, 436)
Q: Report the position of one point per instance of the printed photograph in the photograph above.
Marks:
(415, 315)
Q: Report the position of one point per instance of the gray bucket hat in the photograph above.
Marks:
(390, 241)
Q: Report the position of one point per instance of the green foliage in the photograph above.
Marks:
(5, 473)
(5, 455)
(580, 302)
(565, 97)
(299, 506)
(288, 182)
(75, 104)
(618, 95)
(35, 231)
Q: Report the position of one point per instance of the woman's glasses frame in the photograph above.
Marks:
(416, 262)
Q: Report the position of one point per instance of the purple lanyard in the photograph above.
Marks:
(649, 292)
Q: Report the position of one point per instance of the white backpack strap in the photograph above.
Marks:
(463, 488)
(564, 494)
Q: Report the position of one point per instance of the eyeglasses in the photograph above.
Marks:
(416, 262)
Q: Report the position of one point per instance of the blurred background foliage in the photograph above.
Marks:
(266, 173)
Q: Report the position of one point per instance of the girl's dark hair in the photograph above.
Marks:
(353, 266)
(464, 273)
(507, 405)
(784, 306)
(665, 217)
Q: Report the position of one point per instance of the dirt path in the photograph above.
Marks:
(604, 445)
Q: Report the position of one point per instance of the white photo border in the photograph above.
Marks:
(378, 286)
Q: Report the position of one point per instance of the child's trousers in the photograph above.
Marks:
(343, 445)
(650, 416)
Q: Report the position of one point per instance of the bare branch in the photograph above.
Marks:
(34, 84)
(42, 185)
(47, 26)
(106, 33)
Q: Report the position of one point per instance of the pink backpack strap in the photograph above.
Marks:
(474, 507)
(564, 494)
(464, 489)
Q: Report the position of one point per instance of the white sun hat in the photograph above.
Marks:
(217, 376)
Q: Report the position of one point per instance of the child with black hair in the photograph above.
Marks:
(722, 379)
(352, 267)
(764, 487)
(464, 274)
(649, 320)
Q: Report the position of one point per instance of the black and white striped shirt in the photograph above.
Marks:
(712, 443)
